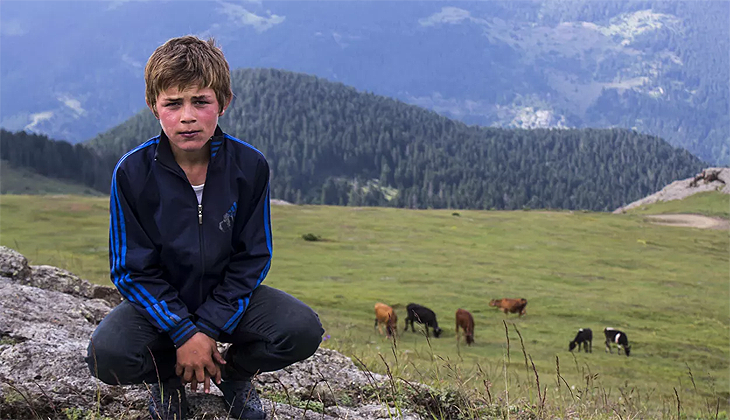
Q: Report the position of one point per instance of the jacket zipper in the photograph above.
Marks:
(202, 248)
(200, 227)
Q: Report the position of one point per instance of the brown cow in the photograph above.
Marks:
(385, 315)
(466, 322)
(512, 306)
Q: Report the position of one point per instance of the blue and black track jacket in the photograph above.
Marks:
(186, 267)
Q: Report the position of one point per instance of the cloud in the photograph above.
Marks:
(37, 119)
(131, 61)
(450, 15)
(115, 4)
(343, 39)
(72, 103)
(243, 17)
(210, 32)
(12, 28)
(338, 39)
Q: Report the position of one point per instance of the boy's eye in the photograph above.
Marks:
(171, 104)
(201, 102)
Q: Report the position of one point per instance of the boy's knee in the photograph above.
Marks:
(302, 337)
(106, 363)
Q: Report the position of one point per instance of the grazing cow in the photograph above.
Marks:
(619, 338)
(584, 337)
(466, 322)
(512, 306)
(385, 315)
(422, 315)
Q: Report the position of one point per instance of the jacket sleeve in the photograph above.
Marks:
(248, 265)
(135, 266)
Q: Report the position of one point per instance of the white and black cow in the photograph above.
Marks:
(422, 315)
(619, 338)
(584, 337)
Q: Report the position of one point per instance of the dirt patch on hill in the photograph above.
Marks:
(690, 220)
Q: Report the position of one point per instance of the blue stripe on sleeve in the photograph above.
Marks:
(242, 305)
(118, 239)
(203, 325)
(229, 325)
(186, 327)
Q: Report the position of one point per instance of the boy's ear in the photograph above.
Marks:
(228, 102)
(153, 108)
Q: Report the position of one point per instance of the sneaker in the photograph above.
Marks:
(168, 402)
(242, 400)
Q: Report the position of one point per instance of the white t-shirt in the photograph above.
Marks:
(199, 192)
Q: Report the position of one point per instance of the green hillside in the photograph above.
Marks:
(712, 203)
(666, 287)
(23, 181)
(330, 144)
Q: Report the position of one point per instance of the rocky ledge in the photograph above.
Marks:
(47, 316)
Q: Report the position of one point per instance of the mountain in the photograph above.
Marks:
(328, 143)
(74, 69)
(35, 164)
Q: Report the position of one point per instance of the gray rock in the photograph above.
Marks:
(678, 190)
(54, 278)
(13, 264)
(46, 318)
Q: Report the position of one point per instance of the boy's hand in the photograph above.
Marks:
(197, 362)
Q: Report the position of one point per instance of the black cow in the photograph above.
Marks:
(422, 315)
(619, 338)
(584, 337)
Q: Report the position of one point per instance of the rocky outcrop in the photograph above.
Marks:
(710, 179)
(47, 316)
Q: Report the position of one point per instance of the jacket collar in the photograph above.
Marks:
(164, 155)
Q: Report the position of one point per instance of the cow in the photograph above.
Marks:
(466, 322)
(584, 337)
(512, 306)
(385, 315)
(422, 315)
(619, 338)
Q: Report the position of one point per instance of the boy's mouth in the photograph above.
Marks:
(188, 133)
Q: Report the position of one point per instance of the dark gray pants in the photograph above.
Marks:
(276, 331)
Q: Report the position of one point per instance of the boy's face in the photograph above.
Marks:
(188, 117)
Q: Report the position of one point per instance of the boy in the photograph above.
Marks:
(189, 245)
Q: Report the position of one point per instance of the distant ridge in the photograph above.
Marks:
(660, 67)
(328, 143)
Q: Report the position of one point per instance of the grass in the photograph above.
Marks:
(23, 181)
(666, 287)
(71, 232)
(711, 203)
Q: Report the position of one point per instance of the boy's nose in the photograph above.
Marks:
(187, 113)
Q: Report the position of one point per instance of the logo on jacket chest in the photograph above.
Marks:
(227, 223)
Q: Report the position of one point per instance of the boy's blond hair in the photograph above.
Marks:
(184, 62)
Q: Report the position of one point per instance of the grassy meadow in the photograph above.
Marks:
(23, 181)
(666, 287)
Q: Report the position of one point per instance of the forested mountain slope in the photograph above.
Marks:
(328, 143)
